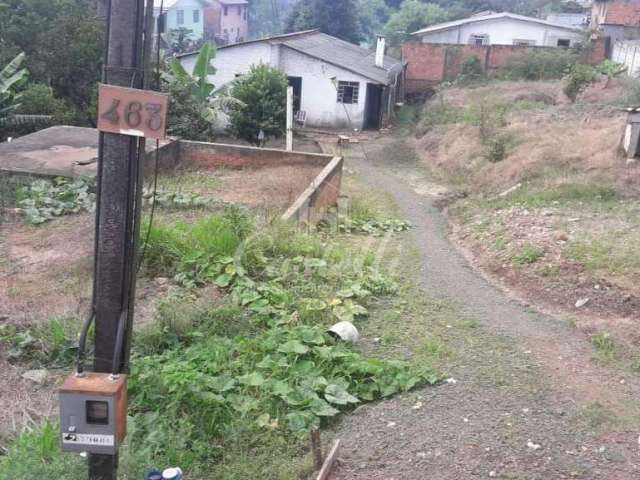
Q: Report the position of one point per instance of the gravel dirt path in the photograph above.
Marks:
(528, 400)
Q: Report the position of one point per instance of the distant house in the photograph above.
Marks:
(501, 29)
(617, 19)
(336, 83)
(222, 21)
(227, 21)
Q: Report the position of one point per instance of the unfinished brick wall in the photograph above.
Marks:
(431, 63)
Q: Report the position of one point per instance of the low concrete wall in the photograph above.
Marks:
(322, 194)
(202, 154)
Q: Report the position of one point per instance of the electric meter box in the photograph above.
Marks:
(93, 413)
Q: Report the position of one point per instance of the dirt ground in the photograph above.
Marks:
(274, 187)
(524, 397)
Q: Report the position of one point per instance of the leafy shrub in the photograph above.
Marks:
(45, 199)
(497, 147)
(578, 78)
(539, 64)
(263, 94)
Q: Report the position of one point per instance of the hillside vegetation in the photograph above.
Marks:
(549, 205)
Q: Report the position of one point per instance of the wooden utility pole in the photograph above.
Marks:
(118, 205)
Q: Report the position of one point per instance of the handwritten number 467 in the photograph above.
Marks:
(133, 114)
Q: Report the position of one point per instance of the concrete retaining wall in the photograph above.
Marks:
(321, 195)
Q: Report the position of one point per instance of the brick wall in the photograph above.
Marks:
(215, 155)
(431, 63)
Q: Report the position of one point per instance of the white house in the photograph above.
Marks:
(501, 29)
(336, 83)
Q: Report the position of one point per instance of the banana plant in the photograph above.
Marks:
(197, 83)
(11, 77)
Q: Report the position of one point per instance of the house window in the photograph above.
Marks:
(524, 43)
(348, 92)
(180, 17)
(239, 10)
(479, 40)
(564, 42)
(196, 16)
(226, 11)
(244, 13)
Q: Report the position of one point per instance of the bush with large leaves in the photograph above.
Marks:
(261, 106)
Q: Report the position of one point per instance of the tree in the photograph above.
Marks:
(180, 40)
(194, 102)
(267, 17)
(62, 41)
(12, 76)
(263, 97)
(412, 16)
(373, 16)
(340, 20)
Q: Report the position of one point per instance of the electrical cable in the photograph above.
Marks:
(117, 354)
(92, 312)
(133, 197)
(157, 158)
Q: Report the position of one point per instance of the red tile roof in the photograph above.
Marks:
(625, 13)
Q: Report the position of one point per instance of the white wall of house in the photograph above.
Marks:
(234, 61)
(319, 92)
(319, 97)
(504, 31)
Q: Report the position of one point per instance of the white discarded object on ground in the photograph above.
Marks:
(510, 190)
(533, 446)
(172, 474)
(345, 331)
(582, 302)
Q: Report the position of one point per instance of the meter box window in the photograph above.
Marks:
(93, 413)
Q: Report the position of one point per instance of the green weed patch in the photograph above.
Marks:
(572, 194)
(43, 200)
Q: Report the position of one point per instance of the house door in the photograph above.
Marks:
(296, 83)
(372, 113)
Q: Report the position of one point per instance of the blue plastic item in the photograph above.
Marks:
(153, 474)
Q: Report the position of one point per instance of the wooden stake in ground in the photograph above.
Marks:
(328, 462)
(316, 448)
